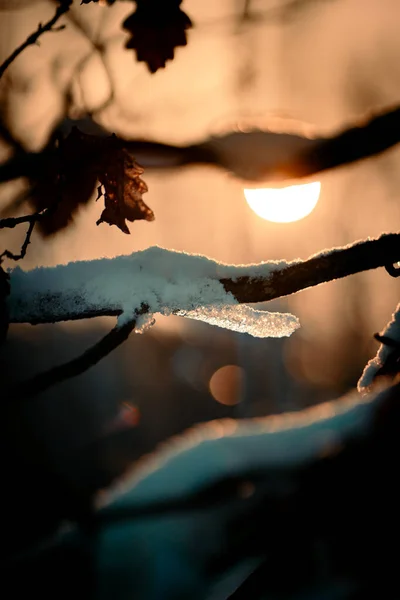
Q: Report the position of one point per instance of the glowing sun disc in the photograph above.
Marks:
(283, 205)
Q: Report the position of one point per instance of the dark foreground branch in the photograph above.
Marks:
(33, 38)
(47, 379)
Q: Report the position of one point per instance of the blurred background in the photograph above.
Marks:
(327, 63)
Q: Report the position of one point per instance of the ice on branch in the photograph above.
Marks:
(245, 319)
(151, 281)
(385, 354)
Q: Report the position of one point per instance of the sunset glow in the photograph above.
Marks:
(283, 205)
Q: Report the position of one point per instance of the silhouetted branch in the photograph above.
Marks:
(24, 247)
(12, 222)
(255, 155)
(43, 381)
(33, 38)
(364, 141)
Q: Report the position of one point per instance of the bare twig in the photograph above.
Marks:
(47, 379)
(33, 38)
(24, 247)
(46, 307)
(12, 222)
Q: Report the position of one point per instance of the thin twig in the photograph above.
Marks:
(11, 222)
(31, 40)
(24, 247)
(47, 379)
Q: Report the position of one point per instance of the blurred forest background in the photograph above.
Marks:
(323, 62)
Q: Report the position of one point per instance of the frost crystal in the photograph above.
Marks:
(244, 319)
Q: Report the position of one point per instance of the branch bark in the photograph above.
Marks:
(321, 268)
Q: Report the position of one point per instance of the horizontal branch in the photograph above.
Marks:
(253, 155)
(321, 268)
(366, 140)
(33, 301)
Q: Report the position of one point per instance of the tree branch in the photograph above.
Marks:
(11, 222)
(33, 303)
(321, 268)
(32, 39)
(47, 379)
(252, 155)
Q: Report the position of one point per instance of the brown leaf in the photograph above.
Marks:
(70, 179)
(123, 188)
(157, 27)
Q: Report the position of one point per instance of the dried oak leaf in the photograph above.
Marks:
(70, 177)
(157, 27)
(4, 292)
(123, 188)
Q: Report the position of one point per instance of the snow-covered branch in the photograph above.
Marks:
(325, 266)
(173, 282)
(261, 488)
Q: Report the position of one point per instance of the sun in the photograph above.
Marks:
(283, 205)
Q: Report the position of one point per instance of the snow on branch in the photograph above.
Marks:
(228, 490)
(386, 363)
(327, 265)
(165, 281)
(207, 453)
(194, 286)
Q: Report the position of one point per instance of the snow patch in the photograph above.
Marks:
(391, 331)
